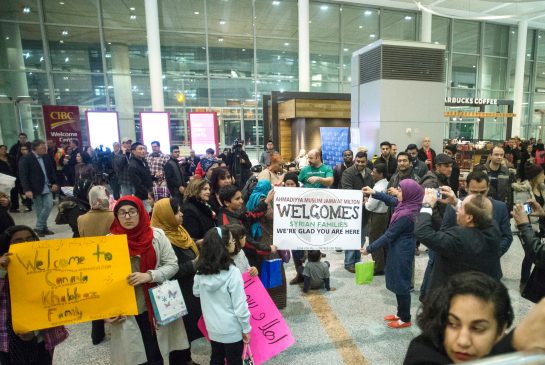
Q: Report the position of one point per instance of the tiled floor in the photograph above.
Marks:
(359, 309)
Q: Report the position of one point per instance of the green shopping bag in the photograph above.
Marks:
(364, 272)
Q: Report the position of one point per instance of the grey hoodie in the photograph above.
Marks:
(224, 305)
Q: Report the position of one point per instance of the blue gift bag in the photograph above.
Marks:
(271, 273)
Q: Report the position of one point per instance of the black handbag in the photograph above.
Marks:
(534, 290)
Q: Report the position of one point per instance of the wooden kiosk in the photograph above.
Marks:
(293, 119)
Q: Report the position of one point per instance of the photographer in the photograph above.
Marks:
(239, 163)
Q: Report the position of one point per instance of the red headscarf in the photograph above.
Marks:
(140, 242)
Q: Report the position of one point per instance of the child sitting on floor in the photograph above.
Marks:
(316, 273)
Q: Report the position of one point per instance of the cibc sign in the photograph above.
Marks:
(62, 123)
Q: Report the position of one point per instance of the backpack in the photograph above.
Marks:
(249, 187)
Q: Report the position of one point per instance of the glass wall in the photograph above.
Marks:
(225, 55)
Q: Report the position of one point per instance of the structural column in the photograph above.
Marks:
(304, 48)
(518, 92)
(122, 85)
(154, 56)
(425, 27)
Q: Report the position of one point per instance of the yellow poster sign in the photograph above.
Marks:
(68, 281)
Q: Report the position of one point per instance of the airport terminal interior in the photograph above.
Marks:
(237, 58)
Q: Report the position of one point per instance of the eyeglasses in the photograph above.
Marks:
(130, 213)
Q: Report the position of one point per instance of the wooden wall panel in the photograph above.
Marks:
(286, 109)
(322, 108)
(285, 139)
(298, 136)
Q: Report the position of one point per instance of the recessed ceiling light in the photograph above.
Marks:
(408, 17)
(61, 2)
(132, 8)
(286, 44)
(313, 61)
(244, 50)
(196, 13)
(67, 59)
(324, 7)
(276, 3)
(372, 35)
(133, 17)
(61, 41)
(64, 32)
(361, 27)
(367, 12)
(7, 38)
(220, 39)
(222, 22)
(346, 49)
(26, 10)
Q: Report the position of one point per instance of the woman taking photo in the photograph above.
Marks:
(399, 238)
(94, 223)
(135, 339)
(198, 215)
(168, 217)
(32, 348)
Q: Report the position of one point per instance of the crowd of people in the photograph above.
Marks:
(204, 220)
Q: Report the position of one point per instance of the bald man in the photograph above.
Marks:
(427, 154)
(316, 174)
(472, 245)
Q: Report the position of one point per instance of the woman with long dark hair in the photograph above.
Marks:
(198, 215)
(220, 177)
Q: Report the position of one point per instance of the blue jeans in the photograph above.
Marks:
(43, 204)
(127, 189)
(351, 257)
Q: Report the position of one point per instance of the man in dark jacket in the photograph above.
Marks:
(427, 154)
(140, 175)
(348, 160)
(71, 167)
(38, 181)
(500, 177)
(121, 167)
(454, 179)
(387, 159)
(473, 245)
(356, 177)
(419, 167)
(405, 170)
(174, 175)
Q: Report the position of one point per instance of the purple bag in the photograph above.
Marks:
(285, 255)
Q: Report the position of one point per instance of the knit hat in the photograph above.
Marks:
(531, 170)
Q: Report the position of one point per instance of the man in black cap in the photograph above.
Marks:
(454, 180)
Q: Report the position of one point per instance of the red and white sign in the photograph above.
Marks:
(62, 123)
(203, 128)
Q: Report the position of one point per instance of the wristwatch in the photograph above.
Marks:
(426, 205)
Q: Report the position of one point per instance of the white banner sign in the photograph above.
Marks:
(317, 219)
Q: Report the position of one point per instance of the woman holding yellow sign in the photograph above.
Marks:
(22, 348)
(138, 339)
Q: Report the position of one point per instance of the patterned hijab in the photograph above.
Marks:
(411, 202)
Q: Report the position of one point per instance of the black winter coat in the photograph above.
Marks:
(198, 218)
(31, 174)
(140, 178)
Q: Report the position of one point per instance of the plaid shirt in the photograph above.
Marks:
(156, 162)
(52, 336)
